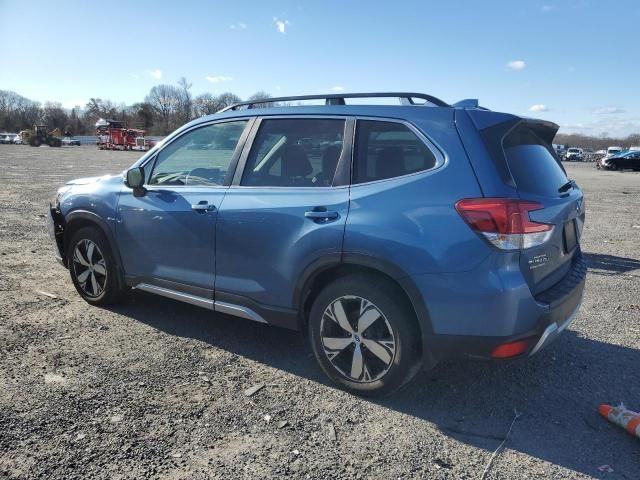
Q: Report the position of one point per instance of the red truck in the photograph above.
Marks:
(115, 135)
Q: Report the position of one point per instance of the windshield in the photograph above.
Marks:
(573, 150)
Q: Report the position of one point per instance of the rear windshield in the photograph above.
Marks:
(534, 168)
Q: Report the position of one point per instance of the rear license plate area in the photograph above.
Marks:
(570, 236)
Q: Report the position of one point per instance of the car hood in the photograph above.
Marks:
(88, 180)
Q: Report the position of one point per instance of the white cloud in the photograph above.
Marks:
(607, 110)
(218, 78)
(538, 107)
(337, 88)
(571, 69)
(239, 25)
(516, 65)
(157, 73)
(546, 8)
(281, 25)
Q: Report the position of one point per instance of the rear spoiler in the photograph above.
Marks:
(493, 127)
(544, 129)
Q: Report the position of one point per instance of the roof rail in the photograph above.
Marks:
(406, 98)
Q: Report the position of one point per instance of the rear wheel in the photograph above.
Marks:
(93, 268)
(364, 336)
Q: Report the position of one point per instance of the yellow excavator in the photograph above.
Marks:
(41, 136)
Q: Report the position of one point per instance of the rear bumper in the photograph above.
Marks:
(509, 314)
(553, 331)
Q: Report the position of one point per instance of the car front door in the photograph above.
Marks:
(167, 235)
(285, 211)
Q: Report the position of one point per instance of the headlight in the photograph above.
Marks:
(55, 200)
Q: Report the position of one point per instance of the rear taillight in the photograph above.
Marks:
(505, 222)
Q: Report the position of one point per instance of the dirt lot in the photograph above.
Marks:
(153, 388)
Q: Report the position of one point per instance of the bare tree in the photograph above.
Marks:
(164, 99)
(205, 104)
(142, 115)
(54, 116)
(259, 95)
(226, 99)
(185, 102)
(17, 112)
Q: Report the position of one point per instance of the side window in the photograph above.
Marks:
(295, 153)
(199, 157)
(387, 150)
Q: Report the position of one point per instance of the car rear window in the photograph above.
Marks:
(533, 166)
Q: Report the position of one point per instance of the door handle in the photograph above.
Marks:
(203, 206)
(321, 215)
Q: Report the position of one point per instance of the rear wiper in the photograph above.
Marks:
(567, 186)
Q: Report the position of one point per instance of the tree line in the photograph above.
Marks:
(165, 108)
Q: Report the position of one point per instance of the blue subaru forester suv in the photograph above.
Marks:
(393, 236)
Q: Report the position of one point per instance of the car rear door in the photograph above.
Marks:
(285, 210)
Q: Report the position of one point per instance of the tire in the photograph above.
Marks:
(97, 286)
(374, 358)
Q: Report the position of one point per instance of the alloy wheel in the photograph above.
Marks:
(357, 339)
(90, 268)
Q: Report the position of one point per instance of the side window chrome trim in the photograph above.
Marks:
(438, 152)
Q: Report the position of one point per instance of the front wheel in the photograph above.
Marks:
(93, 268)
(364, 335)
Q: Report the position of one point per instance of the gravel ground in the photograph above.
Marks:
(155, 389)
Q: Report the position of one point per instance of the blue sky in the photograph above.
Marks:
(575, 62)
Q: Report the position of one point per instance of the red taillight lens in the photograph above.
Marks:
(508, 350)
(500, 215)
(505, 222)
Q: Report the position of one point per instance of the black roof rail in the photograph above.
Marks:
(406, 98)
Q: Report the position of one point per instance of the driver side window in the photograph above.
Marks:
(200, 157)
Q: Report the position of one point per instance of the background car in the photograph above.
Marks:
(574, 155)
(70, 141)
(7, 138)
(627, 160)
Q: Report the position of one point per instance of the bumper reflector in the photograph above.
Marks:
(512, 349)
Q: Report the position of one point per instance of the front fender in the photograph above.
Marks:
(77, 219)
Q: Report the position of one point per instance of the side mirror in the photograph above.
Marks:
(135, 180)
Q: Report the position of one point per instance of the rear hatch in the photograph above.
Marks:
(523, 155)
